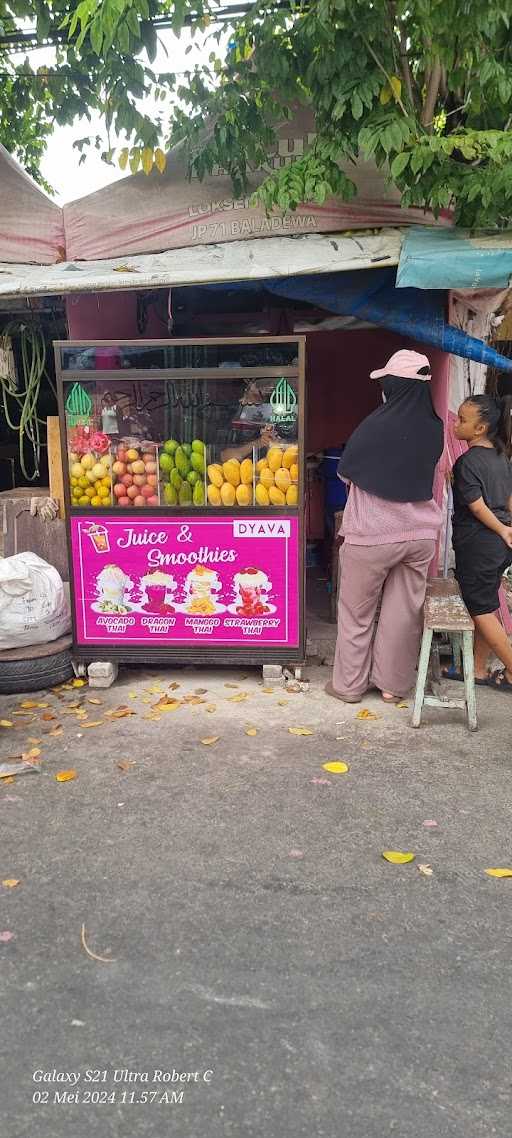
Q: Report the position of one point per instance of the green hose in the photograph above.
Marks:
(33, 363)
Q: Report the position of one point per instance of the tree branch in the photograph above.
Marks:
(434, 80)
(380, 65)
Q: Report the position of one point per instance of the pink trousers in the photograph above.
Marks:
(396, 573)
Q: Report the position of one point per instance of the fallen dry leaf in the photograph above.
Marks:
(35, 742)
(119, 713)
(499, 871)
(230, 685)
(132, 695)
(397, 857)
(237, 698)
(7, 779)
(211, 707)
(166, 704)
(365, 713)
(5, 936)
(282, 703)
(200, 691)
(425, 869)
(174, 686)
(125, 764)
(268, 691)
(95, 701)
(28, 704)
(6, 723)
(335, 767)
(65, 776)
(10, 882)
(401, 705)
(251, 731)
(48, 716)
(55, 731)
(93, 723)
(210, 739)
(78, 683)
(300, 731)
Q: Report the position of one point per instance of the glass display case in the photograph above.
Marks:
(173, 451)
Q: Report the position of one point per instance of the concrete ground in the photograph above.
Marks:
(251, 926)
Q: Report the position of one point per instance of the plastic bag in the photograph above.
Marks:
(34, 608)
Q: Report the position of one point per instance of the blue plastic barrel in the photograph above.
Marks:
(335, 489)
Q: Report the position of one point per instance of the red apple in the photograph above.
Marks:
(119, 468)
(148, 457)
(127, 480)
(139, 479)
(119, 490)
(150, 467)
(132, 492)
(153, 501)
(139, 500)
(121, 455)
(123, 501)
(152, 480)
(147, 491)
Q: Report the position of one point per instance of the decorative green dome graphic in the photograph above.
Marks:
(78, 406)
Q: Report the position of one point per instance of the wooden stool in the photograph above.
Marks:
(445, 611)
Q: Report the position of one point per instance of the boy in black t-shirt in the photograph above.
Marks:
(482, 533)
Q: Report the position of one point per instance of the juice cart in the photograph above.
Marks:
(184, 483)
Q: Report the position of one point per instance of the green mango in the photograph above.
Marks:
(176, 479)
(193, 477)
(197, 461)
(187, 448)
(185, 494)
(170, 446)
(170, 495)
(166, 462)
(198, 495)
(198, 446)
(182, 462)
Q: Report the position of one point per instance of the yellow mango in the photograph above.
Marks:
(262, 497)
(227, 493)
(215, 474)
(290, 456)
(294, 472)
(292, 495)
(214, 497)
(276, 496)
(275, 458)
(282, 478)
(244, 495)
(267, 477)
(231, 471)
(246, 471)
(261, 465)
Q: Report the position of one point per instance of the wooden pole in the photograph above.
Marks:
(55, 462)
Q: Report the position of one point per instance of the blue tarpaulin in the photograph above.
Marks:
(454, 258)
(371, 295)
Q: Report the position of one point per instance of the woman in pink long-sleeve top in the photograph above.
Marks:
(390, 527)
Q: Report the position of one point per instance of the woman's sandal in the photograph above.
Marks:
(498, 681)
(344, 698)
(452, 674)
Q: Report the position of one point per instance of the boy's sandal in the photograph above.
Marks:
(453, 674)
(498, 681)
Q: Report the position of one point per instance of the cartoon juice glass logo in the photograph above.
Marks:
(99, 537)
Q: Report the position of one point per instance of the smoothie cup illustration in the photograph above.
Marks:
(157, 586)
(112, 584)
(99, 537)
(253, 586)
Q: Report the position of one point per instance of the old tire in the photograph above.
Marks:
(48, 666)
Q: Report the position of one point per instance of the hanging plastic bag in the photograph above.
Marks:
(34, 608)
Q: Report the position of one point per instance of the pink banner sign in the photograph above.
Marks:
(186, 581)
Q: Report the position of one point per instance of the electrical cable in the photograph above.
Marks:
(33, 367)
